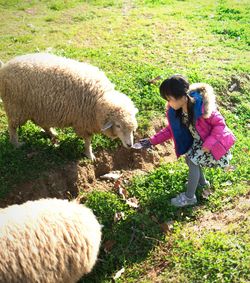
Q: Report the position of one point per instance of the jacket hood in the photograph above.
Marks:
(208, 97)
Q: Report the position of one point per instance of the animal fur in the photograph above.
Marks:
(54, 91)
(49, 240)
(209, 100)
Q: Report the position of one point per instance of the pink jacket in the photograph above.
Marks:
(210, 125)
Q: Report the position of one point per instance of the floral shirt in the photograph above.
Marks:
(198, 156)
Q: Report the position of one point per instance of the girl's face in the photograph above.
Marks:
(177, 103)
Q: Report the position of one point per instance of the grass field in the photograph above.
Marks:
(134, 42)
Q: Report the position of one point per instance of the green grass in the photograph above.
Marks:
(133, 42)
(218, 256)
(139, 229)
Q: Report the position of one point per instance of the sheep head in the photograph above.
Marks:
(121, 122)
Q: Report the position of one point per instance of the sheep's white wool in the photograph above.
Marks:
(49, 240)
(54, 91)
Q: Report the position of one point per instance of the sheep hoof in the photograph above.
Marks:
(53, 132)
(91, 156)
(50, 133)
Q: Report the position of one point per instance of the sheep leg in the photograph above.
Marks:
(51, 132)
(88, 148)
(14, 136)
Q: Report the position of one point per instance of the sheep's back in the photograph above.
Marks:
(48, 240)
(52, 89)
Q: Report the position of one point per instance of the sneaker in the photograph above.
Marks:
(182, 200)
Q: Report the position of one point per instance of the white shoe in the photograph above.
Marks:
(182, 200)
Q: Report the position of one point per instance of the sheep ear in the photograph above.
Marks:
(107, 126)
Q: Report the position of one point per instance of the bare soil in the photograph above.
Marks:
(70, 180)
(226, 219)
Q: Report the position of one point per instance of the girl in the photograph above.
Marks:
(198, 130)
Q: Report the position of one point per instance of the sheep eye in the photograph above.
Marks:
(118, 126)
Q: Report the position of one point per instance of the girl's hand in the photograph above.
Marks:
(145, 143)
(206, 149)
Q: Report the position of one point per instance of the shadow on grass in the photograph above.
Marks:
(35, 157)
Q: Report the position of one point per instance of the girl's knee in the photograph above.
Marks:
(192, 165)
(187, 159)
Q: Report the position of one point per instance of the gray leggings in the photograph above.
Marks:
(195, 178)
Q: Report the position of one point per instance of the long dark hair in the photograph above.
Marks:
(177, 86)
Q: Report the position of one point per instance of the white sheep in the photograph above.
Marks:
(54, 91)
(49, 240)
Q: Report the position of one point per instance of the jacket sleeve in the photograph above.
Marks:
(162, 136)
(217, 123)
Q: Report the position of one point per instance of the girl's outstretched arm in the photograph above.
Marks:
(162, 136)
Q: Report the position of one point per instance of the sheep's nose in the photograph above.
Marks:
(129, 144)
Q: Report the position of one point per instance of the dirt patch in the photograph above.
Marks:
(224, 220)
(68, 181)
